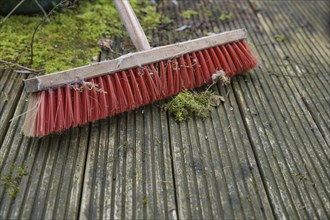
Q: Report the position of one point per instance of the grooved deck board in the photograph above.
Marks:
(216, 173)
(11, 86)
(128, 168)
(54, 166)
(285, 105)
(262, 154)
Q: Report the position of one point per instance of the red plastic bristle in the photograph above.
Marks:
(68, 110)
(222, 61)
(176, 76)
(205, 70)
(47, 113)
(113, 105)
(209, 62)
(164, 90)
(199, 81)
(95, 104)
(157, 81)
(243, 59)
(41, 129)
(122, 101)
(51, 114)
(248, 55)
(59, 113)
(86, 106)
(170, 78)
(215, 59)
(228, 61)
(235, 58)
(127, 90)
(184, 74)
(102, 98)
(190, 71)
(244, 44)
(150, 84)
(77, 105)
(143, 87)
(138, 101)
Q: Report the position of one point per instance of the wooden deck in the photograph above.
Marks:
(263, 154)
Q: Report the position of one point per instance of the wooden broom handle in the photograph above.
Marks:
(132, 25)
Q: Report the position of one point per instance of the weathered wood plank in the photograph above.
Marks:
(300, 65)
(137, 177)
(223, 184)
(88, 198)
(212, 158)
(48, 189)
(139, 195)
(166, 177)
(183, 188)
(11, 86)
(298, 147)
(111, 158)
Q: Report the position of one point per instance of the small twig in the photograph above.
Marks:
(216, 77)
(12, 11)
(115, 52)
(26, 112)
(38, 25)
(20, 66)
(228, 93)
(41, 8)
(213, 83)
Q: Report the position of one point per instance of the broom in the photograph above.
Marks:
(74, 97)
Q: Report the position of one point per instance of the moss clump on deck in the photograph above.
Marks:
(189, 13)
(145, 201)
(226, 16)
(69, 38)
(280, 38)
(11, 181)
(188, 103)
(4, 97)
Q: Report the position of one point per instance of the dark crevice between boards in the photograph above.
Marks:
(172, 163)
(84, 169)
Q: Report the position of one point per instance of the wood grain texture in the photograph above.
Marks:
(11, 86)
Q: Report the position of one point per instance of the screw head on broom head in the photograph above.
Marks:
(132, 81)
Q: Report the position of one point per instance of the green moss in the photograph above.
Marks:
(69, 38)
(303, 178)
(226, 16)
(208, 13)
(11, 181)
(187, 103)
(189, 13)
(254, 184)
(299, 176)
(3, 97)
(280, 38)
(144, 201)
(150, 19)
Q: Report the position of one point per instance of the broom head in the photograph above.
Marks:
(74, 97)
